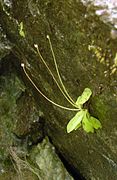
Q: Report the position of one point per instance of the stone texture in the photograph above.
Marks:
(41, 163)
(105, 9)
(86, 57)
(5, 45)
(48, 163)
(18, 115)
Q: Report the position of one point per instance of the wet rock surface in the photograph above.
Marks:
(86, 56)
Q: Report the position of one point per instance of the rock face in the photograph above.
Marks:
(5, 45)
(48, 163)
(17, 113)
(105, 9)
(42, 163)
(86, 57)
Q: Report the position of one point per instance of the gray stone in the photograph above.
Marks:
(48, 163)
(105, 9)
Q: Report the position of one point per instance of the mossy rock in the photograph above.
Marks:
(86, 55)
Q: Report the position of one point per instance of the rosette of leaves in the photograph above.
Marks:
(83, 117)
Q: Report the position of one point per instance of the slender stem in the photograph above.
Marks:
(56, 66)
(36, 46)
(60, 106)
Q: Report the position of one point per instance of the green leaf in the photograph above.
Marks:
(87, 125)
(21, 30)
(95, 122)
(84, 97)
(78, 126)
(74, 123)
(90, 123)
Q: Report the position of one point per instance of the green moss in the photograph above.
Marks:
(10, 90)
(100, 107)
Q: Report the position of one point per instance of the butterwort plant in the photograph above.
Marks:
(82, 117)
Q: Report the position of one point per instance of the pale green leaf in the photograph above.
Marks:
(84, 97)
(95, 123)
(78, 126)
(87, 125)
(22, 33)
(21, 30)
(75, 121)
